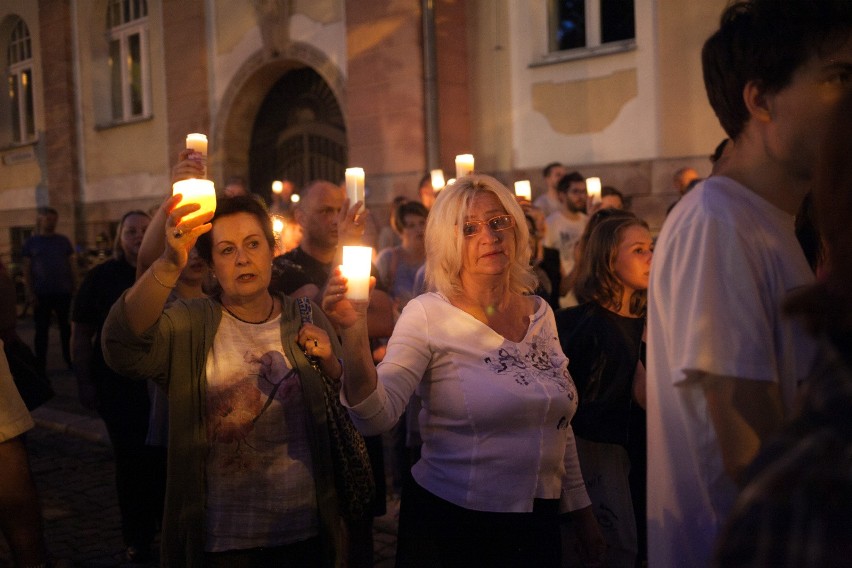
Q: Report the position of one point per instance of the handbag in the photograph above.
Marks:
(353, 475)
(32, 384)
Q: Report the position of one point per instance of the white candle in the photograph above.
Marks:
(277, 225)
(356, 268)
(355, 185)
(295, 198)
(437, 179)
(523, 189)
(451, 181)
(593, 187)
(199, 191)
(464, 165)
(198, 142)
(277, 187)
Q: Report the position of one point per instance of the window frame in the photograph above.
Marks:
(593, 46)
(121, 94)
(22, 107)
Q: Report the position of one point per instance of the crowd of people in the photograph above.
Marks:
(562, 388)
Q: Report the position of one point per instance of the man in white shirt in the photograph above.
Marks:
(549, 200)
(566, 226)
(724, 364)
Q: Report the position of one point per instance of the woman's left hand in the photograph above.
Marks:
(315, 342)
(591, 540)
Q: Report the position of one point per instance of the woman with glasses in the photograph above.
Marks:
(498, 461)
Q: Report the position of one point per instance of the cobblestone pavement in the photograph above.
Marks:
(73, 467)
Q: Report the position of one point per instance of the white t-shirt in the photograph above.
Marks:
(15, 419)
(496, 414)
(547, 203)
(723, 264)
(562, 234)
(260, 487)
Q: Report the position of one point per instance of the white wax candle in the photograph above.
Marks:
(464, 165)
(277, 225)
(451, 181)
(198, 142)
(593, 187)
(277, 187)
(295, 198)
(356, 268)
(523, 189)
(199, 191)
(355, 185)
(437, 179)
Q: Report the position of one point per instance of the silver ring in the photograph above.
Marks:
(177, 234)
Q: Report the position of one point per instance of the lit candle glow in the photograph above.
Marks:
(464, 165)
(277, 187)
(198, 142)
(437, 179)
(356, 268)
(523, 189)
(355, 185)
(199, 191)
(593, 188)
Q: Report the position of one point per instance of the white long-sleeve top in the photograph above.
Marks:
(496, 414)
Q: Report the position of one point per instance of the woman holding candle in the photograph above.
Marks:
(498, 461)
(250, 476)
(603, 339)
(123, 404)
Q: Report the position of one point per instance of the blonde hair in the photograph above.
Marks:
(445, 242)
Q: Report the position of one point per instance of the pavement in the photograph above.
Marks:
(72, 464)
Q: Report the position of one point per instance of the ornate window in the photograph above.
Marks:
(127, 34)
(591, 24)
(20, 83)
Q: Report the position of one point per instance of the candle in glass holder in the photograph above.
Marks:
(198, 142)
(437, 179)
(593, 188)
(355, 186)
(199, 191)
(523, 189)
(357, 262)
(464, 165)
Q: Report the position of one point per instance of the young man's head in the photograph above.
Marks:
(46, 219)
(572, 192)
(765, 43)
(552, 173)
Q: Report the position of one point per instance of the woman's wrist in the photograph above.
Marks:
(165, 273)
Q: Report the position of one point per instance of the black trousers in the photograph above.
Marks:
(60, 304)
(436, 533)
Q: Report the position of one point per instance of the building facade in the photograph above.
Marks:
(103, 92)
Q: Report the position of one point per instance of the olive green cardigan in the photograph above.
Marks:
(173, 353)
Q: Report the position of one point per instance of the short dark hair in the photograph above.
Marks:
(44, 210)
(407, 208)
(231, 206)
(609, 190)
(566, 181)
(546, 171)
(765, 41)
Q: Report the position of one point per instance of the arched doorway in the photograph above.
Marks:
(298, 134)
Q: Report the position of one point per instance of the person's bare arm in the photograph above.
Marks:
(380, 314)
(744, 414)
(20, 512)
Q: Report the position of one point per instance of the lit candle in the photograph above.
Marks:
(593, 187)
(437, 179)
(523, 189)
(198, 142)
(451, 181)
(355, 185)
(295, 198)
(464, 165)
(199, 191)
(277, 187)
(277, 225)
(356, 268)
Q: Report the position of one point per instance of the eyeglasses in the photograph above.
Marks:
(498, 223)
